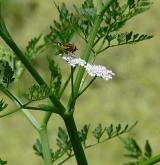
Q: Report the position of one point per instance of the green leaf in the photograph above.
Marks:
(38, 148)
(3, 105)
(131, 4)
(86, 15)
(119, 13)
(38, 92)
(125, 129)
(3, 162)
(98, 132)
(7, 55)
(64, 29)
(118, 129)
(8, 75)
(55, 79)
(63, 140)
(134, 152)
(34, 48)
(7, 67)
(113, 131)
(56, 155)
(83, 134)
(109, 131)
(133, 147)
(126, 38)
(148, 150)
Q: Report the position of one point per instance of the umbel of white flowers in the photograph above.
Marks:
(92, 70)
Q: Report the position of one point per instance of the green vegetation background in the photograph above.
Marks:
(132, 95)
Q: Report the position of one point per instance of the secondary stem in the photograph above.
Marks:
(45, 146)
(75, 141)
(31, 69)
(90, 44)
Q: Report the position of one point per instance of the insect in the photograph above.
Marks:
(67, 47)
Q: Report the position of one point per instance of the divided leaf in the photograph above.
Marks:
(83, 19)
(109, 131)
(83, 134)
(86, 17)
(63, 140)
(8, 75)
(64, 144)
(55, 79)
(3, 105)
(34, 48)
(118, 14)
(134, 151)
(148, 150)
(7, 68)
(98, 132)
(38, 92)
(126, 38)
(115, 18)
(7, 55)
(118, 130)
(38, 148)
(64, 29)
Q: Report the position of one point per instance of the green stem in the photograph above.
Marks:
(72, 81)
(19, 104)
(86, 54)
(45, 146)
(10, 95)
(32, 71)
(89, 46)
(75, 141)
(43, 131)
(83, 90)
(151, 161)
(39, 109)
(64, 86)
(31, 119)
(9, 113)
(72, 104)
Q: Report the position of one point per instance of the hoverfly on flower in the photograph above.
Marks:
(67, 47)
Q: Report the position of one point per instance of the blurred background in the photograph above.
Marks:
(132, 95)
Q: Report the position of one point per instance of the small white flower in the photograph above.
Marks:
(99, 71)
(73, 60)
(92, 70)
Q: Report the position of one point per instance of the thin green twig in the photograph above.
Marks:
(72, 82)
(153, 160)
(9, 113)
(64, 86)
(83, 90)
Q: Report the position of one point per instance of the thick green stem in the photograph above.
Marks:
(45, 146)
(75, 141)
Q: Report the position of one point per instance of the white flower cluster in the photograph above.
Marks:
(92, 70)
(99, 71)
(73, 60)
